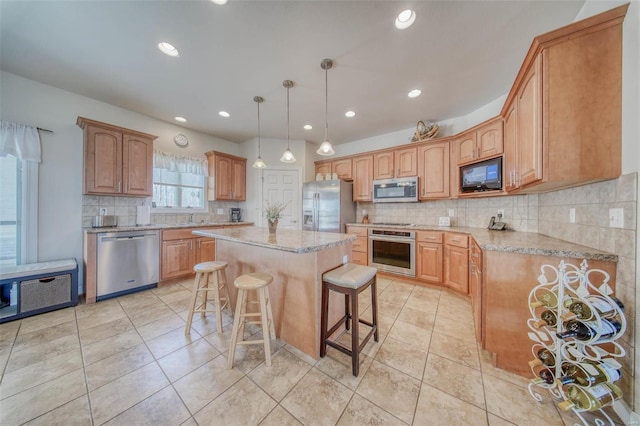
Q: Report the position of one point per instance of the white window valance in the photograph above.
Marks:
(21, 141)
(179, 163)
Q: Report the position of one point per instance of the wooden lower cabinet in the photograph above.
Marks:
(509, 278)
(476, 281)
(181, 251)
(429, 262)
(360, 247)
(456, 262)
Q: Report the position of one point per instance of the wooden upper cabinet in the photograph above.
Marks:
(568, 107)
(117, 161)
(529, 127)
(363, 178)
(433, 170)
(482, 143)
(323, 167)
(227, 177)
(401, 162)
(342, 168)
(383, 165)
(406, 162)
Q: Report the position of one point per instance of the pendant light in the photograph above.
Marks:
(325, 147)
(259, 163)
(288, 157)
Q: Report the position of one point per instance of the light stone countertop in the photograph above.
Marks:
(284, 239)
(159, 226)
(514, 242)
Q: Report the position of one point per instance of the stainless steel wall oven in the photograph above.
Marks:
(393, 251)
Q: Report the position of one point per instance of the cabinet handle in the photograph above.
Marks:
(478, 152)
(119, 186)
(191, 245)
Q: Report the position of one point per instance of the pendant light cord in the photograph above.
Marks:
(259, 153)
(288, 147)
(326, 104)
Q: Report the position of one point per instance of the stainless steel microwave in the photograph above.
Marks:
(399, 190)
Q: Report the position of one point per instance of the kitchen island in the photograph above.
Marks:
(297, 260)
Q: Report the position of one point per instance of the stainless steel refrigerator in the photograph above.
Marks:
(327, 206)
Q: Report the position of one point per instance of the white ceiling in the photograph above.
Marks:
(462, 54)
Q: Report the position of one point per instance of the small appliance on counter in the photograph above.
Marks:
(143, 215)
(105, 221)
(235, 213)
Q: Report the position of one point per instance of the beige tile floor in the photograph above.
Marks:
(126, 361)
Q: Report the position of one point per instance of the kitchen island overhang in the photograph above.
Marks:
(297, 260)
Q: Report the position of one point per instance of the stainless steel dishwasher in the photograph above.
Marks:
(127, 262)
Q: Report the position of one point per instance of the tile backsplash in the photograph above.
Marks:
(125, 209)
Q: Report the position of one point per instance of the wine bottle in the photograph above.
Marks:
(547, 317)
(549, 299)
(603, 307)
(544, 376)
(589, 373)
(544, 357)
(590, 398)
(588, 330)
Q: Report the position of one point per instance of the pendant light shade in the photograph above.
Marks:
(259, 163)
(325, 147)
(288, 157)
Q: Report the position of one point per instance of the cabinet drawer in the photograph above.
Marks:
(359, 258)
(183, 233)
(355, 230)
(361, 244)
(458, 240)
(429, 236)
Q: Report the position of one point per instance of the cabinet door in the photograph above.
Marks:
(383, 165)
(223, 183)
(363, 178)
(466, 148)
(239, 180)
(475, 287)
(205, 250)
(489, 140)
(457, 268)
(342, 168)
(137, 165)
(433, 170)
(529, 126)
(178, 258)
(429, 260)
(103, 161)
(510, 156)
(406, 162)
(323, 168)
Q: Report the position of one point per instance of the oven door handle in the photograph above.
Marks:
(391, 239)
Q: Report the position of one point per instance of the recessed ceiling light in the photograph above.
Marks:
(308, 127)
(414, 93)
(220, 2)
(224, 114)
(168, 49)
(181, 119)
(405, 19)
(350, 114)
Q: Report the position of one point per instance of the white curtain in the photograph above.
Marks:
(21, 141)
(179, 163)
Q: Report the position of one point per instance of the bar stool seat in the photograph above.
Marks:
(258, 281)
(211, 277)
(349, 279)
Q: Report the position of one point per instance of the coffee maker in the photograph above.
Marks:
(235, 214)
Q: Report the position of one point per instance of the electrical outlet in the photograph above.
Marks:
(572, 215)
(452, 213)
(500, 213)
(616, 218)
(103, 211)
(220, 211)
(345, 259)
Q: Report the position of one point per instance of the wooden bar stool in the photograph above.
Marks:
(256, 281)
(210, 277)
(349, 279)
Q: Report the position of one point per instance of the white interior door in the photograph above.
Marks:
(283, 186)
